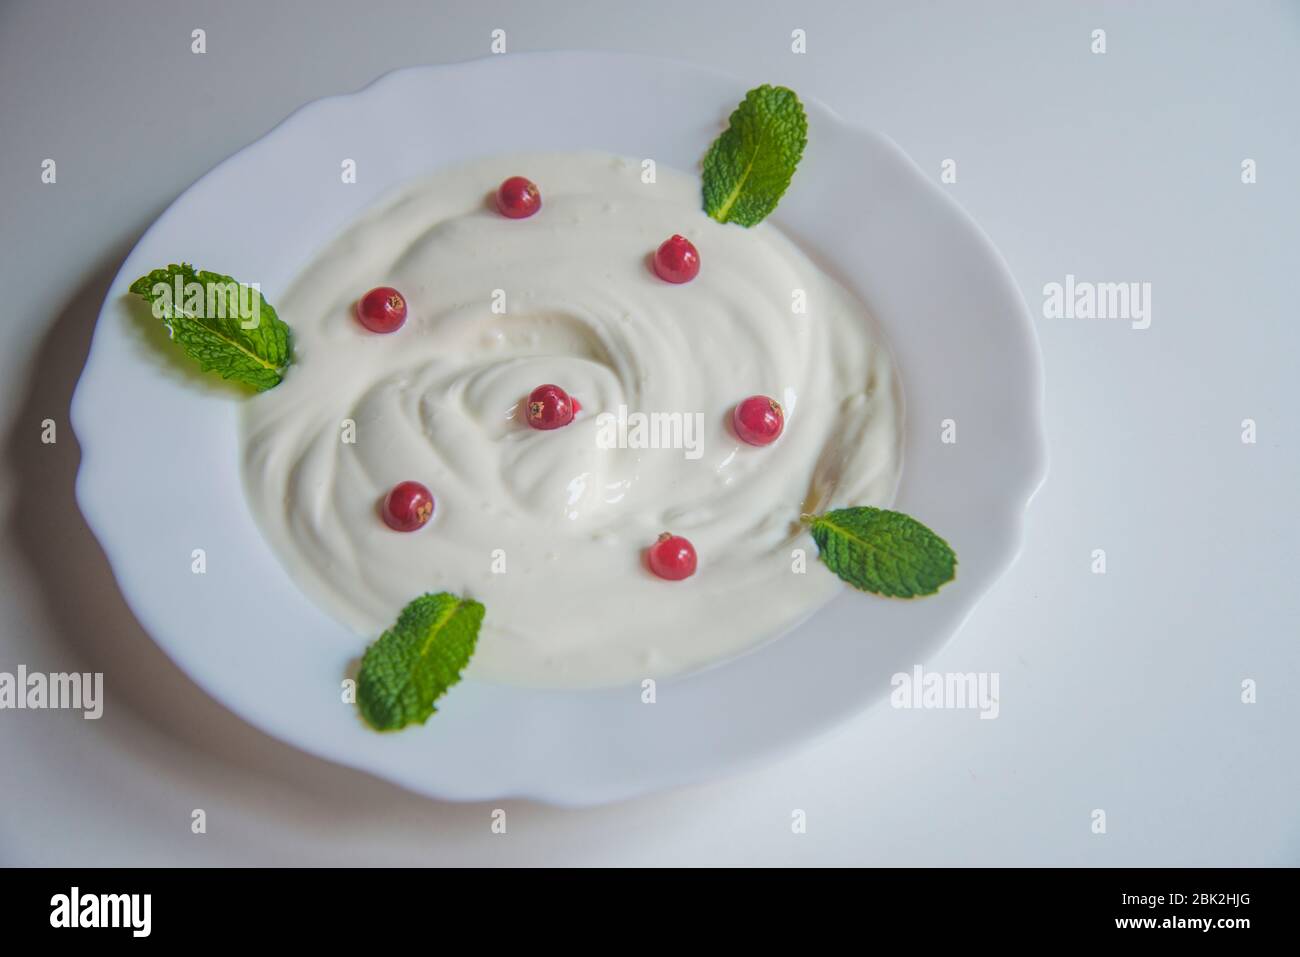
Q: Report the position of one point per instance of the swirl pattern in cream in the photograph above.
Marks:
(548, 528)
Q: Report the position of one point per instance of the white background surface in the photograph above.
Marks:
(1118, 691)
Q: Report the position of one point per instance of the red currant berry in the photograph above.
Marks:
(549, 407)
(672, 557)
(677, 260)
(577, 406)
(759, 420)
(408, 506)
(382, 309)
(518, 198)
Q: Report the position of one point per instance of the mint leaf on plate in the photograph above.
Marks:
(889, 553)
(749, 167)
(412, 664)
(223, 325)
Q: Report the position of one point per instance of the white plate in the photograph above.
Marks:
(160, 476)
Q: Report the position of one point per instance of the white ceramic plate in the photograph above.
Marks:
(160, 452)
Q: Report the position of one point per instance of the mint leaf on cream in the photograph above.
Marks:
(748, 168)
(223, 325)
(413, 663)
(876, 550)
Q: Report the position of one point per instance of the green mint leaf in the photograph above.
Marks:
(225, 326)
(885, 552)
(749, 167)
(413, 663)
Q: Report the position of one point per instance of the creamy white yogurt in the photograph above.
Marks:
(547, 528)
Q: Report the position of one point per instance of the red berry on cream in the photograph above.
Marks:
(518, 198)
(759, 420)
(677, 260)
(407, 507)
(549, 407)
(672, 557)
(382, 309)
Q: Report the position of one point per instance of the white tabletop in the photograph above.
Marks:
(1119, 691)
